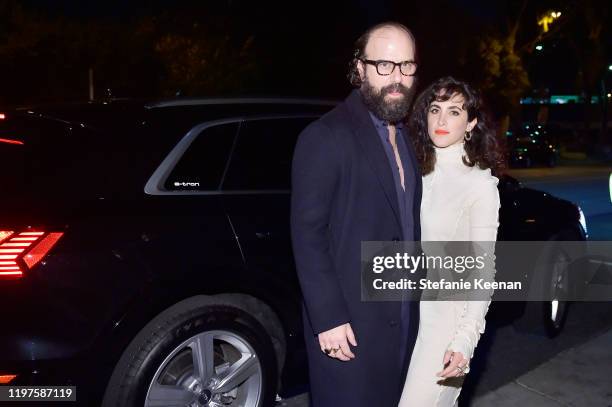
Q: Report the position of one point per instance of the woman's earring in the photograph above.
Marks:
(468, 135)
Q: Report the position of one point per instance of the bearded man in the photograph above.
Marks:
(355, 178)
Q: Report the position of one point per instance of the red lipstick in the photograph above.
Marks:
(441, 132)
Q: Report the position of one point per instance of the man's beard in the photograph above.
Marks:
(389, 111)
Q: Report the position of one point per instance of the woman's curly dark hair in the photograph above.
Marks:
(483, 149)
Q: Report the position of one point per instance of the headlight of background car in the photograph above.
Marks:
(583, 221)
(610, 187)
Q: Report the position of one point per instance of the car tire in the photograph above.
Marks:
(543, 317)
(548, 317)
(238, 363)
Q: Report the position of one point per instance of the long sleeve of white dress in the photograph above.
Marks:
(483, 215)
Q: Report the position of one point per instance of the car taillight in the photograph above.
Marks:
(22, 251)
(11, 141)
(7, 378)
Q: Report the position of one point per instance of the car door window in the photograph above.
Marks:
(202, 165)
(261, 159)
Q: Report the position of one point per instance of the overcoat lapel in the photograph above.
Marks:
(369, 141)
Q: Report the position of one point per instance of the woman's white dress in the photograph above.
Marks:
(460, 203)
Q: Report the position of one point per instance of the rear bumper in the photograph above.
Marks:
(38, 372)
(44, 373)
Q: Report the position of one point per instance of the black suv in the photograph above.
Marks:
(145, 253)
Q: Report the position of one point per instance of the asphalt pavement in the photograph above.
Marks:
(578, 376)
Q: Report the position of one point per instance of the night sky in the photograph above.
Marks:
(302, 48)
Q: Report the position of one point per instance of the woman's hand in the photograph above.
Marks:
(455, 365)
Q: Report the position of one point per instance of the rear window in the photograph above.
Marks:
(46, 157)
(202, 165)
(12, 157)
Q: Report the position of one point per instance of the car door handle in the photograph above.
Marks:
(263, 235)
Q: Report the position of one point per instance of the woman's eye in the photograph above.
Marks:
(433, 111)
(454, 113)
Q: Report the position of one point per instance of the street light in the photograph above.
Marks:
(609, 67)
(547, 19)
(539, 47)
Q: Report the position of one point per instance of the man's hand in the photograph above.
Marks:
(455, 365)
(336, 342)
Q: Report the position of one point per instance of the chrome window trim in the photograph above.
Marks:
(155, 184)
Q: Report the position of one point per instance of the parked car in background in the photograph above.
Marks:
(533, 145)
(145, 253)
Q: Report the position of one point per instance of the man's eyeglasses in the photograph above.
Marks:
(407, 68)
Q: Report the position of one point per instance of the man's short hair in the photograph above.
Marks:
(360, 46)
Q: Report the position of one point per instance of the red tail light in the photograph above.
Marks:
(2, 116)
(11, 141)
(7, 378)
(22, 251)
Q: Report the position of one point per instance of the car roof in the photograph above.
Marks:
(239, 100)
(134, 103)
(108, 113)
(97, 113)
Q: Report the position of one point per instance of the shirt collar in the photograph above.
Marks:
(382, 124)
